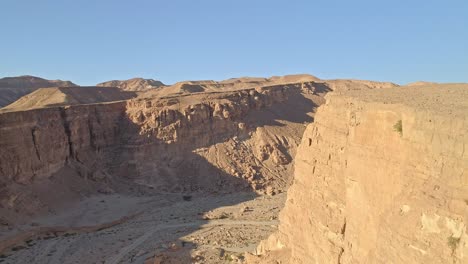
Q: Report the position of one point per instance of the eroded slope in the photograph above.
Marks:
(12, 88)
(63, 96)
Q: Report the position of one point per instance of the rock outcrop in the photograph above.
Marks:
(37, 143)
(381, 176)
(250, 134)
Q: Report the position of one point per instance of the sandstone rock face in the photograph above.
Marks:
(218, 141)
(381, 176)
(199, 141)
(37, 143)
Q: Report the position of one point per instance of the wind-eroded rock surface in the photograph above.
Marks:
(381, 176)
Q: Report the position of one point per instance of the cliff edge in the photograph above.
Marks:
(381, 176)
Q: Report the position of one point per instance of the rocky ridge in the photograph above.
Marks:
(187, 87)
(134, 84)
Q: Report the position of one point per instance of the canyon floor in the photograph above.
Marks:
(150, 227)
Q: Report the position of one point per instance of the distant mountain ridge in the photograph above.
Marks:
(134, 84)
(12, 88)
(61, 96)
(28, 81)
(198, 86)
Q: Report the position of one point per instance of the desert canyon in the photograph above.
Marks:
(286, 169)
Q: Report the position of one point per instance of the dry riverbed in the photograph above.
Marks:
(161, 228)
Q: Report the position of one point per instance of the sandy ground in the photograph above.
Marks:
(167, 227)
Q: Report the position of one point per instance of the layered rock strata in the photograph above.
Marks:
(218, 141)
(381, 176)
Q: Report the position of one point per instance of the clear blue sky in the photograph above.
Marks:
(90, 41)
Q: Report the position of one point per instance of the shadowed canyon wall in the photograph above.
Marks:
(175, 143)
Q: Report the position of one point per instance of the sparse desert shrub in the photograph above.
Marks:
(452, 242)
(398, 127)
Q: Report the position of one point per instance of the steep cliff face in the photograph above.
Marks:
(380, 177)
(200, 141)
(218, 141)
(37, 143)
